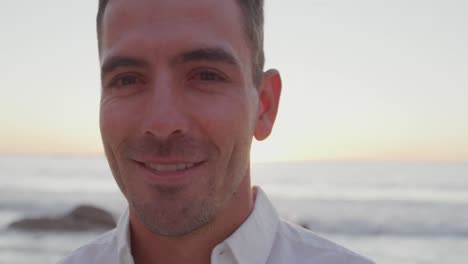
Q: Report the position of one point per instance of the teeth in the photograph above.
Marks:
(169, 167)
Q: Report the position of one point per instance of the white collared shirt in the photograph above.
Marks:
(262, 238)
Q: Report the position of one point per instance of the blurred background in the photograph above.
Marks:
(370, 148)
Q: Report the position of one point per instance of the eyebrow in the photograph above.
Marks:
(113, 63)
(213, 54)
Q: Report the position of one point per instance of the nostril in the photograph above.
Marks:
(158, 135)
(178, 132)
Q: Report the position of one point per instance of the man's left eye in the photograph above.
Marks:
(209, 76)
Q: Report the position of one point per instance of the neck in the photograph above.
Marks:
(197, 246)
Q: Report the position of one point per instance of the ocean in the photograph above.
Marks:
(391, 212)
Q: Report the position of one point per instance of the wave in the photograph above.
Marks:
(399, 218)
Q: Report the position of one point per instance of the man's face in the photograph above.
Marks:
(178, 108)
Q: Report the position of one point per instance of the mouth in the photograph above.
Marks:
(169, 172)
(158, 167)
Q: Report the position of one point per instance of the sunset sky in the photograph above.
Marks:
(364, 79)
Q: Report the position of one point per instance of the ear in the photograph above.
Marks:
(270, 92)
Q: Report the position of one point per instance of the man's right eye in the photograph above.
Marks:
(124, 81)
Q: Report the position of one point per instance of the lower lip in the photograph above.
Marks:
(169, 177)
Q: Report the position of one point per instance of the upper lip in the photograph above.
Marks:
(167, 161)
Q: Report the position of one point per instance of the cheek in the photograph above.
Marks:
(109, 125)
(116, 122)
(227, 121)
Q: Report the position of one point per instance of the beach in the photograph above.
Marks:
(391, 212)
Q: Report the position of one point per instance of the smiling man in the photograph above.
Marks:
(183, 95)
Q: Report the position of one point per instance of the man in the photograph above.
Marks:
(183, 94)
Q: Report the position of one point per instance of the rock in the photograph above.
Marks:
(81, 218)
(304, 225)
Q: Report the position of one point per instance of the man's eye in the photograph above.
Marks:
(122, 81)
(209, 76)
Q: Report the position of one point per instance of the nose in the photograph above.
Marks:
(164, 114)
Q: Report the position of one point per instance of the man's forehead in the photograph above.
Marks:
(131, 15)
(197, 23)
(163, 8)
(160, 30)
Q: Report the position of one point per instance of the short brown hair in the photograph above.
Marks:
(253, 12)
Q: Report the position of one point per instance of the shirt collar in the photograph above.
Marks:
(250, 243)
(123, 239)
(253, 240)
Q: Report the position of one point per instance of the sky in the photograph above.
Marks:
(362, 79)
